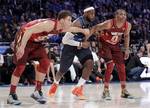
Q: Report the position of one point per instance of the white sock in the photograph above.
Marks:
(56, 82)
(81, 82)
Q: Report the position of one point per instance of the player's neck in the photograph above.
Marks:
(119, 23)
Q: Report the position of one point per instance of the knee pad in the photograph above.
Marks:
(19, 70)
(44, 65)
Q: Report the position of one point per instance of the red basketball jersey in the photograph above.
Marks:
(34, 36)
(43, 33)
(114, 34)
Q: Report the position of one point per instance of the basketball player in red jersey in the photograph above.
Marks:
(27, 46)
(111, 33)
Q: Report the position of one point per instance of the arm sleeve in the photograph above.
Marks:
(68, 39)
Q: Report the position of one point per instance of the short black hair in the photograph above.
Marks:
(63, 14)
(118, 10)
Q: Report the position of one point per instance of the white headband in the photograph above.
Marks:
(88, 9)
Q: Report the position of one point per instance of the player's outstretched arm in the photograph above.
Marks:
(100, 27)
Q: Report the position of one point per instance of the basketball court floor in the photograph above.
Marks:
(64, 98)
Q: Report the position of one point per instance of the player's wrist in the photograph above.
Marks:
(127, 50)
(80, 45)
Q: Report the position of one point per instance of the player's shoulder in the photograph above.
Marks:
(78, 19)
(49, 22)
(44, 20)
(37, 21)
(108, 21)
(129, 24)
(52, 21)
(77, 22)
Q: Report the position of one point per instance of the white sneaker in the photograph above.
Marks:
(13, 99)
(126, 94)
(38, 96)
(106, 95)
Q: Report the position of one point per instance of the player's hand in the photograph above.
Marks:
(20, 52)
(99, 70)
(86, 32)
(93, 30)
(85, 44)
(126, 54)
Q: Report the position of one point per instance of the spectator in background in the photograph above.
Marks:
(1, 64)
(148, 47)
(138, 12)
(134, 67)
(1, 60)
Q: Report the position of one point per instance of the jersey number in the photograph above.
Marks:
(114, 39)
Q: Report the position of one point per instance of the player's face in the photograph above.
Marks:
(142, 49)
(67, 22)
(122, 15)
(91, 15)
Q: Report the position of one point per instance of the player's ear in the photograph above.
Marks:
(61, 20)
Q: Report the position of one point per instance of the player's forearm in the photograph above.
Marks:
(127, 37)
(98, 27)
(74, 30)
(126, 42)
(101, 26)
(71, 42)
